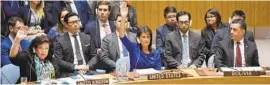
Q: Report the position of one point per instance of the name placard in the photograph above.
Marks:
(242, 73)
(94, 81)
(165, 76)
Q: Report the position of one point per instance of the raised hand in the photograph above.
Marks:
(123, 9)
(22, 33)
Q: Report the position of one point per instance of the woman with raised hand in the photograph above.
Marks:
(142, 55)
(37, 63)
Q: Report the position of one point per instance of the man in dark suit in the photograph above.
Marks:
(183, 47)
(225, 33)
(163, 30)
(132, 14)
(112, 48)
(14, 43)
(239, 51)
(74, 50)
(102, 26)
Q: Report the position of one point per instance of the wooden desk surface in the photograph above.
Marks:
(264, 79)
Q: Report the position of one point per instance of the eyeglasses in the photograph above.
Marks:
(73, 22)
(183, 22)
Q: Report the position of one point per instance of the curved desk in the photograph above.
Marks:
(208, 80)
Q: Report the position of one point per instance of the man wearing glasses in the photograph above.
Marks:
(74, 50)
(163, 30)
(183, 47)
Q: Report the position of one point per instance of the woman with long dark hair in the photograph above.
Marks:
(61, 26)
(213, 23)
(142, 55)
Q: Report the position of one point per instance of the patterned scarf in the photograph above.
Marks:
(46, 65)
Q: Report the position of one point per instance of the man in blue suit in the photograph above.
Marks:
(14, 43)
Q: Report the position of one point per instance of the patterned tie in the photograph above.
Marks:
(238, 62)
(185, 57)
(78, 50)
(106, 29)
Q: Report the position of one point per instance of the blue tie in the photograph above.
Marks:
(185, 58)
(125, 51)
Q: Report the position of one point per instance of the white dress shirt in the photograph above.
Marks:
(102, 29)
(241, 45)
(72, 39)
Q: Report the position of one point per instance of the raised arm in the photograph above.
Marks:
(16, 44)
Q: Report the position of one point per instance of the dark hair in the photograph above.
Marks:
(60, 25)
(13, 20)
(239, 13)
(118, 15)
(70, 14)
(241, 22)
(40, 40)
(217, 15)
(104, 3)
(181, 13)
(145, 29)
(169, 9)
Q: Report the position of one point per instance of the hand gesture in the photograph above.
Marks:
(22, 32)
(124, 10)
(82, 67)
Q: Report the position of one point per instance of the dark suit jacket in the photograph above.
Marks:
(5, 49)
(110, 49)
(12, 8)
(225, 54)
(161, 34)
(93, 29)
(173, 49)
(207, 36)
(27, 65)
(132, 17)
(226, 34)
(64, 53)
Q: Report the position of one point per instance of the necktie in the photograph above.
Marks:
(238, 62)
(78, 51)
(185, 57)
(106, 29)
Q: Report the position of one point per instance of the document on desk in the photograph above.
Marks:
(146, 71)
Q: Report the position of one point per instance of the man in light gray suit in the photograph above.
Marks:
(183, 47)
(112, 48)
(237, 51)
